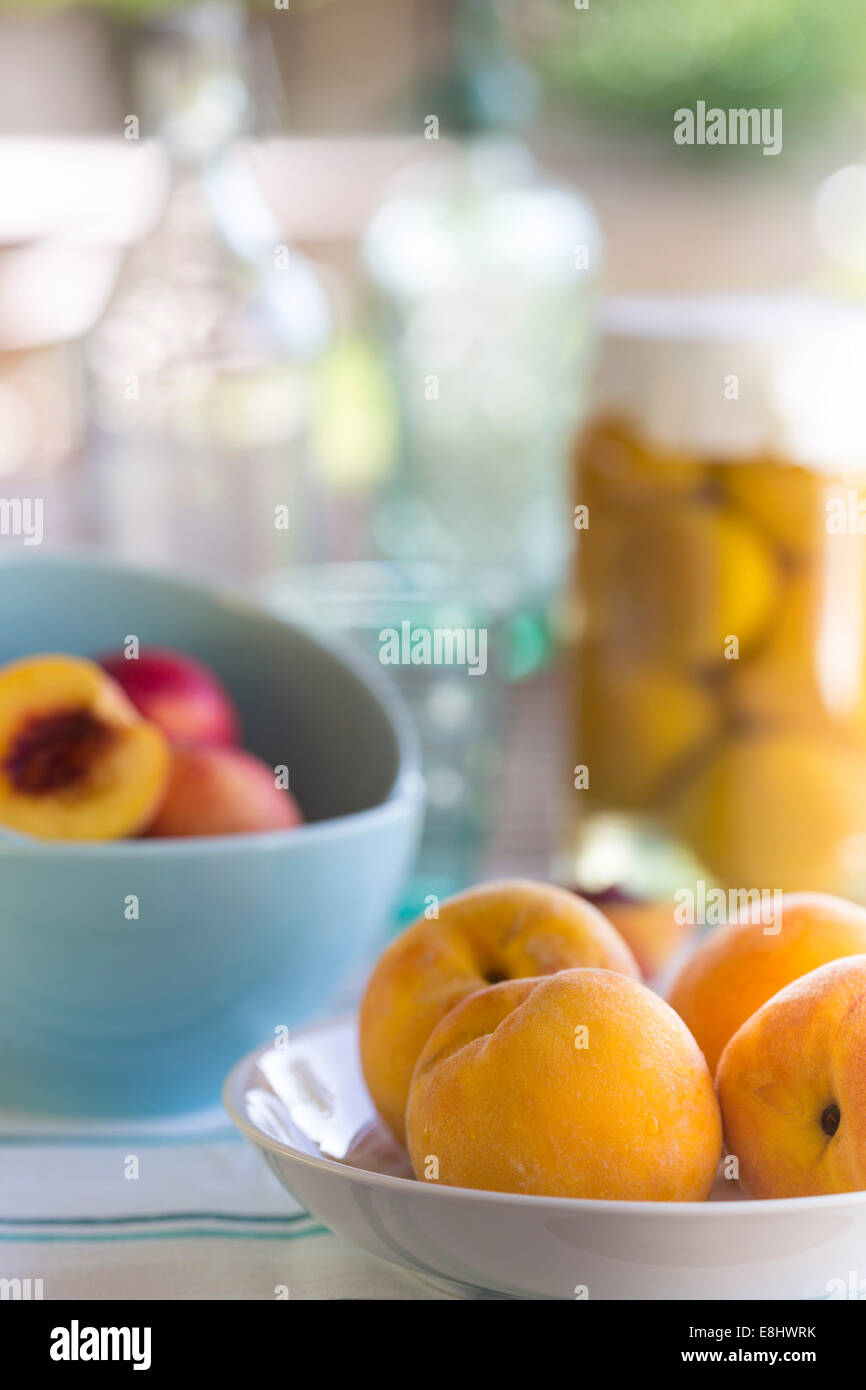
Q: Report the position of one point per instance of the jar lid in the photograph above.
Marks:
(738, 375)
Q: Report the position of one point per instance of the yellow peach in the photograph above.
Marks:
(77, 762)
(786, 501)
(782, 810)
(690, 578)
(781, 682)
(651, 929)
(617, 467)
(792, 1087)
(618, 479)
(741, 964)
(582, 1084)
(498, 931)
(636, 724)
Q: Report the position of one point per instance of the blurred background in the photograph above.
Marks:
(301, 298)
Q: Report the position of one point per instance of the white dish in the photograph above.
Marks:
(305, 1106)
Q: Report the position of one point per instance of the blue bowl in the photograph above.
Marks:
(237, 936)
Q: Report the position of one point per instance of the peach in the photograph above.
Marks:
(781, 682)
(222, 791)
(178, 694)
(498, 931)
(77, 761)
(636, 725)
(614, 465)
(779, 809)
(651, 929)
(620, 482)
(688, 579)
(581, 1084)
(741, 964)
(787, 502)
(792, 1086)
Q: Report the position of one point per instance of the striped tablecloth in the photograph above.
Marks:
(179, 1211)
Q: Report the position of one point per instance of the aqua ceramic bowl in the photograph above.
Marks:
(238, 936)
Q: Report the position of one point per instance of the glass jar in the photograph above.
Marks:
(719, 714)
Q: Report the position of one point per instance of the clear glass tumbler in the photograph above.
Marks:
(416, 621)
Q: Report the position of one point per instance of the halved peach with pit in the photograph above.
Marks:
(77, 762)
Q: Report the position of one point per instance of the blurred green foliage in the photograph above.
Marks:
(644, 58)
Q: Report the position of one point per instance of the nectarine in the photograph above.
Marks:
(498, 931)
(77, 762)
(222, 791)
(792, 1086)
(178, 694)
(580, 1084)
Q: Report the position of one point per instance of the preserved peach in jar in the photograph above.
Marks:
(718, 719)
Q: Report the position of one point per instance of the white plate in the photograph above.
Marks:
(305, 1107)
